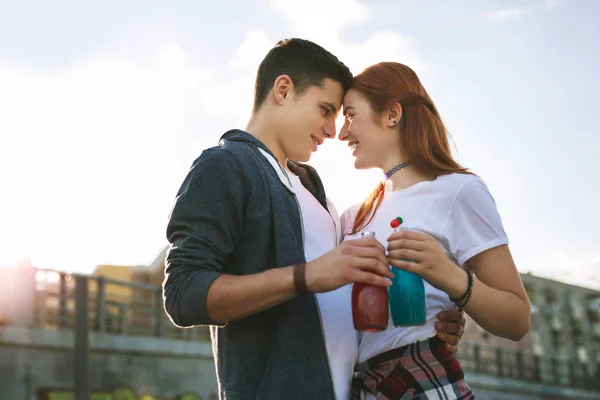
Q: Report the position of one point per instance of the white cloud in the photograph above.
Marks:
(171, 55)
(234, 93)
(89, 162)
(382, 46)
(582, 270)
(509, 13)
(323, 19)
(549, 4)
(88, 142)
(251, 52)
(230, 97)
(520, 12)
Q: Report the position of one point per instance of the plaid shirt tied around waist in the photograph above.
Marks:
(420, 370)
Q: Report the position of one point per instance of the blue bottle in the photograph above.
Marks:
(408, 303)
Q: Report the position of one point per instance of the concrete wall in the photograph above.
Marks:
(32, 359)
(486, 387)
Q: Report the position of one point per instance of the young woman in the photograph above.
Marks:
(455, 238)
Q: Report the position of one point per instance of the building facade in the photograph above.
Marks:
(565, 330)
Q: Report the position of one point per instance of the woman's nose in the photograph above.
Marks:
(344, 132)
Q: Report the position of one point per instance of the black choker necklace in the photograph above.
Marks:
(396, 169)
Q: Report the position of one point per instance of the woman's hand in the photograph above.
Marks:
(428, 260)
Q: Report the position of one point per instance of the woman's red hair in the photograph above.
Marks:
(423, 136)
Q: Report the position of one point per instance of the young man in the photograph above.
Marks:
(255, 246)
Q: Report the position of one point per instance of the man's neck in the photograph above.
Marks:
(263, 131)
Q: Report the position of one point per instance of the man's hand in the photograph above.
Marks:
(450, 328)
(358, 260)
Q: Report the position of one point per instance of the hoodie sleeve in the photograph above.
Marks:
(204, 228)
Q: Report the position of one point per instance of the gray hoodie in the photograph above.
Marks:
(235, 214)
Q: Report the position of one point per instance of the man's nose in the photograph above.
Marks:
(329, 129)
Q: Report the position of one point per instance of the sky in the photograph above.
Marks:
(105, 104)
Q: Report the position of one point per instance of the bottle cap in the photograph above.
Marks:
(396, 222)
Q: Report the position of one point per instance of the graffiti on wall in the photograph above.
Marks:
(115, 394)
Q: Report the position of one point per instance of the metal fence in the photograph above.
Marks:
(526, 366)
(99, 304)
(113, 306)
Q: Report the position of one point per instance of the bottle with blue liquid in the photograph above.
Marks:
(407, 299)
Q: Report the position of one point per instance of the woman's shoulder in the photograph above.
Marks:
(469, 191)
(460, 179)
(458, 183)
(348, 217)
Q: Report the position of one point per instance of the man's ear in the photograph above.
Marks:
(282, 89)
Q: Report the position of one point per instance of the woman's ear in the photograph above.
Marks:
(394, 114)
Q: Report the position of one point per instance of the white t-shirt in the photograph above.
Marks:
(341, 340)
(457, 210)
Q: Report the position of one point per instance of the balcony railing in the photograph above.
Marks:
(526, 366)
(113, 306)
(108, 305)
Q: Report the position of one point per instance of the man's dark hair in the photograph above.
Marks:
(305, 62)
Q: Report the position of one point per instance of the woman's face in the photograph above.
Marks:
(371, 144)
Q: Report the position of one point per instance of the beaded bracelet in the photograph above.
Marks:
(465, 297)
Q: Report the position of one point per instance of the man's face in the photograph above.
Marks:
(310, 119)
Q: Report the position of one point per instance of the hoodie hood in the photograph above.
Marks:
(307, 174)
